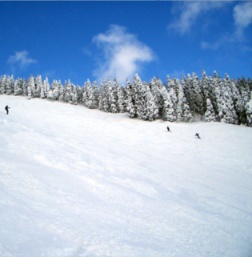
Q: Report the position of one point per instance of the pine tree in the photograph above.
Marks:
(139, 96)
(101, 94)
(248, 110)
(93, 96)
(55, 91)
(86, 92)
(213, 93)
(131, 101)
(168, 112)
(242, 96)
(113, 96)
(197, 96)
(156, 86)
(29, 94)
(173, 97)
(122, 99)
(79, 91)
(209, 114)
(183, 109)
(204, 84)
(194, 95)
(18, 87)
(69, 93)
(24, 87)
(228, 100)
(150, 108)
(37, 86)
(224, 101)
(9, 86)
(30, 87)
(104, 104)
(45, 87)
(2, 85)
(73, 94)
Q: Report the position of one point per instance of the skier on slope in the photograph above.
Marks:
(197, 135)
(7, 109)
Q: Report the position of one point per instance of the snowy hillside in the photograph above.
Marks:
(76, 182)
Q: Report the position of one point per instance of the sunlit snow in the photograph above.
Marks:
(76, 182)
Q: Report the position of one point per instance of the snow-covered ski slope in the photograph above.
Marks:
(76, 182)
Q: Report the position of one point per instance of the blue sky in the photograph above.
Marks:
(101, 40)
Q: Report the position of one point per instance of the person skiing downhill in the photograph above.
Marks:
(7, 109)
(197, 135)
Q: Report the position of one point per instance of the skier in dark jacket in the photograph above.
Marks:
(197, 135)
(7, 109)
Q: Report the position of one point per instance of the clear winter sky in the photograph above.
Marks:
(107, 39)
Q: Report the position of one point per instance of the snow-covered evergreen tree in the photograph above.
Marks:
(150, 107)
(101, 94)
(29, 93)
(139, 96)
(226, 111)
(181, 110)
(156, 86)
(69, 93)
(113, 97)
(168, 112)
(24, 87)
(37, 86)
(18, 87)
(194, 95)
(45, 87)
(173, 96)
(231, 95)
(104, 104)
(248, 110)
(131, 101)
(30, 87)
(67, 90)
(73, 94)
(210, 113)
(122, 99)
(93, 96)
(86, 92)
(10, 85)
(56, 91)
(3, 84)
(204, 85)
(241, 95)
(79, 91)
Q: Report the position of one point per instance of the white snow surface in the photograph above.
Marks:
(76, 182)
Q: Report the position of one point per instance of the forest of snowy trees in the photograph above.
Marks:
(209, 98)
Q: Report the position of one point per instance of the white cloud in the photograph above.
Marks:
(124, 54)
(21, 59)
(190, 11)
(242, 17)
(217, 44)
(242, 14)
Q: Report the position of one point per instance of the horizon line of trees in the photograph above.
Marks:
(210, 98)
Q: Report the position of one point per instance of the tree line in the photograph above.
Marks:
(209, 98)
